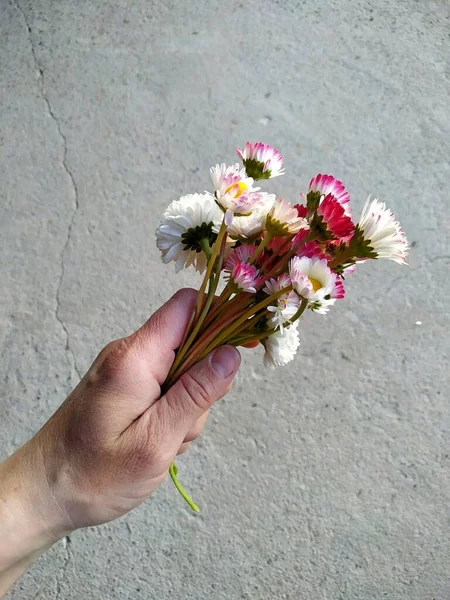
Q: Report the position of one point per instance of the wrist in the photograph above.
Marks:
(31, 520)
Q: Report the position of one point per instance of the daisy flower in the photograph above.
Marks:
(286, 305)
(261, 161)
(330, 221)
(382, 233)
(251, 226)
(185, 224)
(281, 347)
(241, 254)
(327, 184)
(313, 280)
(245, 278)
(283, 219)
(233, 190)
(312, 250)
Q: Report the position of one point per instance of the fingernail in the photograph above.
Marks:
(225, 361)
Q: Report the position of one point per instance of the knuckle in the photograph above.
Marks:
(196, 391)
(115, 359)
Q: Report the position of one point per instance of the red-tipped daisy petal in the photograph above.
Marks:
(312, 250)
(245, 277)
(337, 223)
(327, 184)
(241, 254)
(302, 210)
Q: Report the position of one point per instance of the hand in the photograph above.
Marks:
(110, 444)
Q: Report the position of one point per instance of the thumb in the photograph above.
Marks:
(194, 393)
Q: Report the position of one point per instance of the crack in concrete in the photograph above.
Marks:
(66, 543)
(69, 173)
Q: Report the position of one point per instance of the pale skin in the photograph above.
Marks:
(110, 444)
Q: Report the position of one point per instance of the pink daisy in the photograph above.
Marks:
(327, 184)
(334, 221)
(261, 161)
(312, 250)
(241, 254)
(245, 277)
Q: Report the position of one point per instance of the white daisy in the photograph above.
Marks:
(261, 161)
(313, 280)
(383, 233)
(286, 305)
(250, 226)
(225, 175)
(184, 224)
(281, 347)
(233, 190)
(283, 219)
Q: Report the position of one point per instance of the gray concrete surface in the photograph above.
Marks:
(329, 479)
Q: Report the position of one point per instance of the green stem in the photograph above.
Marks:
(207, 337)
(300, 311)
(241, 337)
(173, 474)
(211, 264)
(240, 323)
(204, 243)
(341, 258)
(217, 335)
(219, 302)
(200, 310)
(266, 239)
(213, 283)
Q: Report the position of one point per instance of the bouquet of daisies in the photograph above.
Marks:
(266, 261)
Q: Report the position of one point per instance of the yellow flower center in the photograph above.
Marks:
(315, 284)
(237, 187)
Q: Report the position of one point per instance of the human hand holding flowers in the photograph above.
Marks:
(111, 443)
(267, 261)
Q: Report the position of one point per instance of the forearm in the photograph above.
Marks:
(27, 516)
(11, 573)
